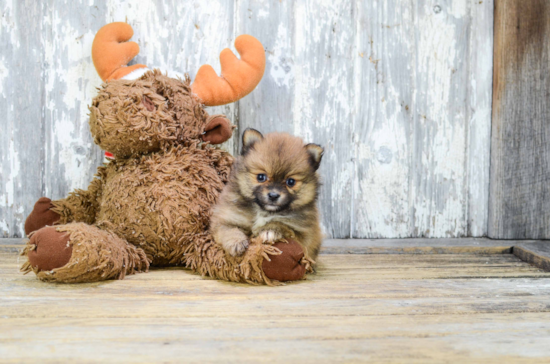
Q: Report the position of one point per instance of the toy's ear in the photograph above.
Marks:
(250, 136)
(217, 130)
(315, 154)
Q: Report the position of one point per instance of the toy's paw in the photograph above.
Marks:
(289, 265)
(270, 236)
(236, 246)
(41, 215)
(50, 249)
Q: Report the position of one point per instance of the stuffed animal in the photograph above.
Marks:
(150, 203)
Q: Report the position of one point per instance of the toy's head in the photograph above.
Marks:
(137, 111)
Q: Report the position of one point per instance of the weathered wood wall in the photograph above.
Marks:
(520, 152)
(397, 91)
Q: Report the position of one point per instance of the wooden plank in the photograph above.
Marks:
(423, 99)
(269, 108)
(439, 176)
(363, 271)
(174, 286)
(96, 303)
(21, 122)
(520, 148)
(384, 63)
(324, 55)
(482, 338)
(417, 246)
(479, 83)
(537, 254)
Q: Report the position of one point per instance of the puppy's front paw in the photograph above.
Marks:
(236, 246)
(270, 236)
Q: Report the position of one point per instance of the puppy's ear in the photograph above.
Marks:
(250, 136)
(315, 154)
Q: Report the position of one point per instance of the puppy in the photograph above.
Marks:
(271, 194)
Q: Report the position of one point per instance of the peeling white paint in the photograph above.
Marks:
(439, 189)
(281, 65)
(7, 23)
(3, 75)
(4, 229)
(459, 8)
(12, 179)
(70, 84)
(397, 93)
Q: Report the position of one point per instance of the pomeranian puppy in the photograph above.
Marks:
(271, 194)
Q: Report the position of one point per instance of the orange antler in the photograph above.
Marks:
(111, 52)
(238, 78)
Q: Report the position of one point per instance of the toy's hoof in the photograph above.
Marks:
(51, 249)
(286, 266)
(41, 215)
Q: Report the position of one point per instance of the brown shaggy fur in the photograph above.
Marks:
(122, 123)
(97, 255)
(244, 209)
(151, 204)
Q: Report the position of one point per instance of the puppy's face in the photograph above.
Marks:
(278, 171)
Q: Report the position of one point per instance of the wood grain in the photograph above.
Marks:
(22, 132)
(422, 121)
(70, 81)
(413, 339)
(520, 147)
(384, 63)
(384, 308)
(397, 92)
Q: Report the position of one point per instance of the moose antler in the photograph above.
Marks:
(111, 52)
(238, 78)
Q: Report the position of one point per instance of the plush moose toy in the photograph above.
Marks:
(150, 204)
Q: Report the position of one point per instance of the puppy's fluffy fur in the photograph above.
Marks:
(271, 193)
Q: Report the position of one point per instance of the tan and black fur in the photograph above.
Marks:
(276, 208)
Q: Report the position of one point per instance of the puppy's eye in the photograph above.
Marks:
(261, 177)
(290, 182)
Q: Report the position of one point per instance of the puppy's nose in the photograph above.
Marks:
(273, 196)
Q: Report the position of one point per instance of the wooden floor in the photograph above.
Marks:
(360, 307)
